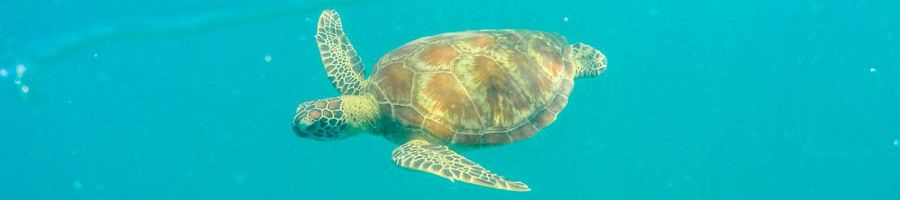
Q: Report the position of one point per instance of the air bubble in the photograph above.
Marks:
(20, 70)
(267, 58)
(77, 185)
(239, 178)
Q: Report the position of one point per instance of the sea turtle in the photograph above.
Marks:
(452, 90)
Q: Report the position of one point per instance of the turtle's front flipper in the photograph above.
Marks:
(421, 155)
(342, 64)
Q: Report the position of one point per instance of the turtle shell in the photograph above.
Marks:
(474, 87)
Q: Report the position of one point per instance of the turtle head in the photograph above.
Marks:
(588, 61)
(336, 117)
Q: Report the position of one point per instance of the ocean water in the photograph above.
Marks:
(702, 100)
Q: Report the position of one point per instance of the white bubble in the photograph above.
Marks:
(566, 19)
(20, 70)
(653, 12)
(25, 89)
(896, 142)
(76, 185)
(3, 72)
(95, 55)
(871, 69)
(239, 178)
(267, 58)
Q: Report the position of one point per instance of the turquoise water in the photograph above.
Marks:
(701, 100)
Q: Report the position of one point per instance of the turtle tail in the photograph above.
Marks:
(588, 61)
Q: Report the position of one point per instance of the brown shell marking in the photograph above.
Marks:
(399, 86)
(476, 87)
(504, 102)
(480, 41)
(445, 98)
(439, 55)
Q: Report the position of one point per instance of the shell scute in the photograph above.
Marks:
(439, 55)
(501, 102)
(445, 98)
(397, 88)
(475, 87)
(409, 115)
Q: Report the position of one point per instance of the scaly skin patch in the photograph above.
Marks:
(421, 155)
(336, 117)
(317, 120)
(343, 65)
(589, 62)
(360, 111)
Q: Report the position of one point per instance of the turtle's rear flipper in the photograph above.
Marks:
(589, 62)
(421, 155)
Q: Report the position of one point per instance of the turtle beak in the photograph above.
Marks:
(302, 122)
(303, 128)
